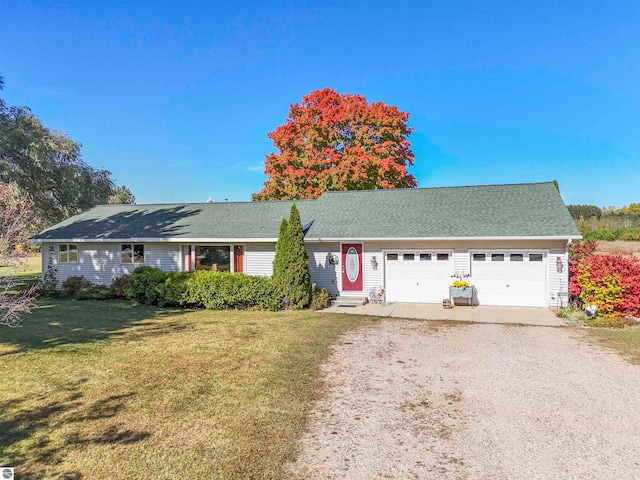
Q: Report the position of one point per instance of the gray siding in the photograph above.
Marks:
(165, 256)
(373, 278)
(259, 259)
(97, 262)
(323, 273)
(558, 281)
(461, 261)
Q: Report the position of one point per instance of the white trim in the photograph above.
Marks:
(510, 250)
(68, 245)
(203, 241)
(132, 262)
(409, 239)
(318, 239)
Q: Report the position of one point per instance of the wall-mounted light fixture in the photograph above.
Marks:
(559, 264)
(374, 263)
(333, 260)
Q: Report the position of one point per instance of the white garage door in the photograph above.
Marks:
(415, 276)
(510, 278)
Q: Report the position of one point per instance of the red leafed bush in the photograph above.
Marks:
(613, 280)
(578, 251)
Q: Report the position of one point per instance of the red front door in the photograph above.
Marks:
(352, 267)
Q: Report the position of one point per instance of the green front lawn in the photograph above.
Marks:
(106, 389)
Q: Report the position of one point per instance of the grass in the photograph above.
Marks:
(28, 274)
(107, 389)
(626, 341)
(32, 268)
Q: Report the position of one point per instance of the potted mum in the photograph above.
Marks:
(460, 288)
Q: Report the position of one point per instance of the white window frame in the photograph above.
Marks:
(133, 257)
(231, 255)
(68, 252)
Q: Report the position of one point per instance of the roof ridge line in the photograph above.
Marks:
(438, 188)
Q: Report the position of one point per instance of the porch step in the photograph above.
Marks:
(343, 301)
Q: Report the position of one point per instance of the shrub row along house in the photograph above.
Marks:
(509, 241)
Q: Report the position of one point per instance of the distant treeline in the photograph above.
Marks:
(607, 223)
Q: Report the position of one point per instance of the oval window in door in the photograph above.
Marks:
(353, 265)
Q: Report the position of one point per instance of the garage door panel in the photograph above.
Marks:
(510, 278)
(417, 276)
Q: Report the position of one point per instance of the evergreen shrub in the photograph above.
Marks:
(220, 290)
(142, 286)
(291, 265)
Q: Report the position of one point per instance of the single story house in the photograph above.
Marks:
(509, 241)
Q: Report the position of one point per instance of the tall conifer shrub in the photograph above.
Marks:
(291, 265)
(280, 262)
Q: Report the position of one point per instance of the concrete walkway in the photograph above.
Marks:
(434, 311)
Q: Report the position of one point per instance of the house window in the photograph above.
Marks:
(408, 256)
(535, 257)
(425, 257)
(479, 257)
(132, 253)
(497, 257)
(516, 257)
(213, 257)
(392, 256)
(443, 256)
(68, 253)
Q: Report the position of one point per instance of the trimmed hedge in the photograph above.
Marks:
(219, 290)
(202, 288)
(143, 283)
(172, 291)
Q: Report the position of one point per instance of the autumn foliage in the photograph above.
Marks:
(334, 141)
(613, 281)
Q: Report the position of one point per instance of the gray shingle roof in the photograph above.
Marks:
(520, 210)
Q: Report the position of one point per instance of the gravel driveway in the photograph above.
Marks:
(407, 399)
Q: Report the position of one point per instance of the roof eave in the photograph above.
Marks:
(307, 239)
(402, 239)
(154, 240)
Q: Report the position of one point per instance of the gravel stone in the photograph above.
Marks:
(407, 399)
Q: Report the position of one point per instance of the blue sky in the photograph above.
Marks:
(176, 98)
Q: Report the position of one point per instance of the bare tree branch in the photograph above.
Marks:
(16, 220)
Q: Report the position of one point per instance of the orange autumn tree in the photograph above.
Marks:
(334, 141)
